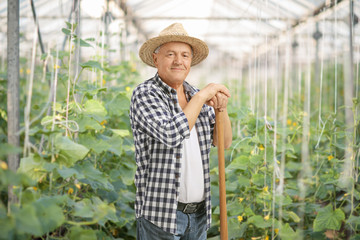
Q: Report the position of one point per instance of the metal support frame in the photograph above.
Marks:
(38, 27)
(13, 97)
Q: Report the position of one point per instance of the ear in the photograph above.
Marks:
(154, 55)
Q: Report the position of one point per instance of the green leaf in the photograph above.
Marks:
(121, 132)
(235, 208)
(259, 221)
(256, 159)
(49, 214)
(69, 25)
(65, 172)
(93, 176)
(243, 181)
(83, 43)
(92, 64)
(97, 145)
(89, 89)
(95, 109)
(258, 179)
(240, 162)
(7, 228)
(327, 218)
(6, 149)
(116, 145)
(84, 209)
(78, 233)
(236, 229)
(118, 105)
(27, 221)
(66, 31)
(249, 212)
(127, 175)
(88, 123)
(33, 166)
(353, 220)
(71, 150)
(287, 233)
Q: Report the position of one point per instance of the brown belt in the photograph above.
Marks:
(189, 208)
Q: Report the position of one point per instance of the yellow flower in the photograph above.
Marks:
(240, 218)
(294, 124)
(276, 230)
(56, 66)
(266, 188)
(103, 122)
(346, 194)
(289, 121)
(28, 71)
(127, 89)
(103, 82)
(330, 157)
(240, 199)
(252, 152)
(35, 188)
(133, 67)
(267, 238)
(21, 70)
(78, 186)
(261, 147)
(267, 217)
(70, 191)
(3, 165)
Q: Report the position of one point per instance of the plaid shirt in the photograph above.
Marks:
(159, 127)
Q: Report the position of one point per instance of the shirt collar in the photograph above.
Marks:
(189, 90)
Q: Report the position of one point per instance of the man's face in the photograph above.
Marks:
(173, 62)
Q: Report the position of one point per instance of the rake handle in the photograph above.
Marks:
(219, 122)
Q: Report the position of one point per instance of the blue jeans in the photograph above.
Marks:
(189, 227)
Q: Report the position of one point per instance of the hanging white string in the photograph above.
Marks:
(26, 150)
(320, 123)
(54, 113)
(305, 171)
(276, 173)
(69, 79)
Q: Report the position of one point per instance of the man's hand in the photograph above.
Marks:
(215, 95)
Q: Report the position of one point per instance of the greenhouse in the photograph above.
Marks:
(69, 70)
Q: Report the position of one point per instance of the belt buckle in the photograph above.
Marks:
(190, 208)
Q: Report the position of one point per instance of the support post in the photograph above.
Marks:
(13, 88)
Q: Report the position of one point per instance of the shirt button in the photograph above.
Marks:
(176, 175)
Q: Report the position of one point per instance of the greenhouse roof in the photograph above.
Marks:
(231, 28)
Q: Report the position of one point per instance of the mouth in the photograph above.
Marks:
(177, 69)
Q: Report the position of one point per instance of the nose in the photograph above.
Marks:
(177, 59)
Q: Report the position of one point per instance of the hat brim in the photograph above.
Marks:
(200, 49)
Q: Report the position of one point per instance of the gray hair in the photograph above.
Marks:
(156, 51)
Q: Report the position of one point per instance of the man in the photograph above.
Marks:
(173, 128)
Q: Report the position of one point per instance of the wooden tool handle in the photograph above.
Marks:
(222, 188)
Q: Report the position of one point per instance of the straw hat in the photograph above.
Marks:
(173, 33)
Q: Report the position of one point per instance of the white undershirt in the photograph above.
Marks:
(192, 174)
